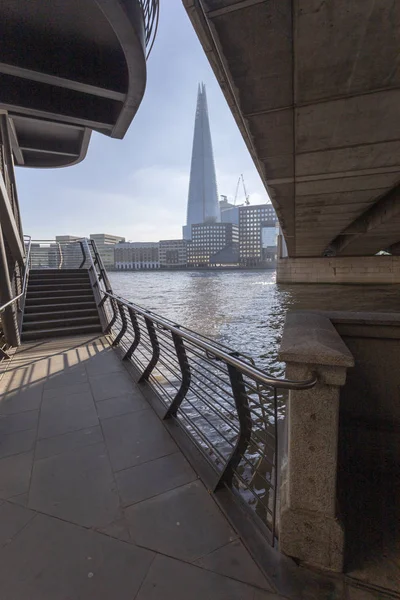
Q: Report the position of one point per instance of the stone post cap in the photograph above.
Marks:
(310, 338)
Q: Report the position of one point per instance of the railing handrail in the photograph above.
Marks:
(229, 358)
(16, 298)
(151, 12)
(246, 369)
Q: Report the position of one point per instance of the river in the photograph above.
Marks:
(243, 309)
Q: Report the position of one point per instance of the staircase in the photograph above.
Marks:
(59, 302)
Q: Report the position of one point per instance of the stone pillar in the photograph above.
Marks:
(309, 528)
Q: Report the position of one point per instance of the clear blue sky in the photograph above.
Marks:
(138, 187)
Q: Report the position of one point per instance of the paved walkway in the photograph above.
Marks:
(97, 502)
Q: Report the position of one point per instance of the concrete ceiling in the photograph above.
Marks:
(314, 86)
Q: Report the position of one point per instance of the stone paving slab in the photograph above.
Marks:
(105, 386)
(20, 399)
(67, 413)
(13, 519)
(12, 423)
(16, 443)
(184, 523)
(25, 400)
(174, 579)
(54, 560)
(234, 561)
(81, 387)
(121, 405)
(15, 473)
(77, 486)
(153, 478)
(69, 377)
(91, 511)
(136, 438)
(68, 441)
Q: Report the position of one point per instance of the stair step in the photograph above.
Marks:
(64, 313)
(33, 287)
(60, 280)
(58, 299)
(59, 293)
(57, 306)
(56, 323)
(54, 276)
(59, 272)
(60, 331)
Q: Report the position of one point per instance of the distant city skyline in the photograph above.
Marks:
(138, 187)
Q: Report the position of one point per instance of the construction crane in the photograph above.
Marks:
(247, 201)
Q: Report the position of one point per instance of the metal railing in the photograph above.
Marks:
(43, 254)
(228, 407)
(54, 254)
(151, 11)
(16, 299)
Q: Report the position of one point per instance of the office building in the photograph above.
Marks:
(67, 238)
(137, 255)
(203, 204)
(213, 244)
(105, 245)
(257, 225)
(229, 212)
(173, 254)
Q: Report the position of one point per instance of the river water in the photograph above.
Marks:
(243, 309)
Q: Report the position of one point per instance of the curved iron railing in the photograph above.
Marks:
(229, 409)
(151, 11)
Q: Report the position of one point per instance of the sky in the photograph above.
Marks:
(138, 187)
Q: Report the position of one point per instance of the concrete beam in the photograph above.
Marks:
(381, 212)
(232, 7)
(49, 79)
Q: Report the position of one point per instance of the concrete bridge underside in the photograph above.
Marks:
(315, 89)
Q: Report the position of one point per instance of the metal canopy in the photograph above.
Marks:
(67, 68)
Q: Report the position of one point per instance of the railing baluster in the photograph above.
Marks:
(83, 254)
(276, 465)
(124, 325)
(114, 317)
(245, 426)
(136, 330)
(102, 301)
(156, 350)
(186, 376)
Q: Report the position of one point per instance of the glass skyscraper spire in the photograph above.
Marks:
(203, 205)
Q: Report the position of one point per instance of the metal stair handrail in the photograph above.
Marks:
(25, 279)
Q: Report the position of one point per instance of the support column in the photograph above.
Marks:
(309, 528)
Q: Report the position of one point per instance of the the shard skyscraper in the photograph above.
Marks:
(203, 206)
